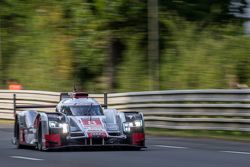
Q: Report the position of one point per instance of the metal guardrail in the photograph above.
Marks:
(214, 109)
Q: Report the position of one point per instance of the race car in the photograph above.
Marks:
(78, 121)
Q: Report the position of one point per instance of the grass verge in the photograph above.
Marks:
(6, 121)
(224, 135)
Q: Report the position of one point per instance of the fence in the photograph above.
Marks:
(215, 109)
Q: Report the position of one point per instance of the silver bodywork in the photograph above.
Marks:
(111, 121)
(41, 129)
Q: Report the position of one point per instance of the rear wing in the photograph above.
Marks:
(66, 95)
(62, 96)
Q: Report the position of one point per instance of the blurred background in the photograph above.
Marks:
(124, 45)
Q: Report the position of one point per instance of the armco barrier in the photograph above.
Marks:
(214, 109)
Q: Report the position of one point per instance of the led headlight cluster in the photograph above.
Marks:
(64, 126)
(53, 124)
(138, 123)
(128, 125)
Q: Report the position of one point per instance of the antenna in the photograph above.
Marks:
(74, 82)
(75, 90)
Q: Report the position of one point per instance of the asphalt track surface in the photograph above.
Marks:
(161, 151)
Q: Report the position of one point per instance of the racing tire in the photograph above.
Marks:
(39, 139)
(137, 149)
(17, 136)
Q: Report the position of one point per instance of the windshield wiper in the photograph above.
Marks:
(88, 111)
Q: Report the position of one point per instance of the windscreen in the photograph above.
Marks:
(88, 110)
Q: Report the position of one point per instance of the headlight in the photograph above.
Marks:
(126, 127)
(64, 126)
(138, 123)
(53, 124)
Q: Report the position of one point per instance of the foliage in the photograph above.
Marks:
(102, 45)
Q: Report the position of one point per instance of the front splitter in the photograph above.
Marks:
(105, 147)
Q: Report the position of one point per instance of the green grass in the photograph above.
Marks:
(5, 121)
(224, 135)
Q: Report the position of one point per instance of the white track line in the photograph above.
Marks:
(26, 158)
(236, 152)
(164, 146)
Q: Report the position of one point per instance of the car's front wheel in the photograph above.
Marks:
(39, 139)
(17, 136)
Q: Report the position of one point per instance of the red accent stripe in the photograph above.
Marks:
(137, 138)
(90, 135)
(22, 136)
(55, 138)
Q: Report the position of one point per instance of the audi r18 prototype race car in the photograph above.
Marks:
(78, 121)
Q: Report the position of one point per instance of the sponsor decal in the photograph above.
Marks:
(94, 127)
(92, 122)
